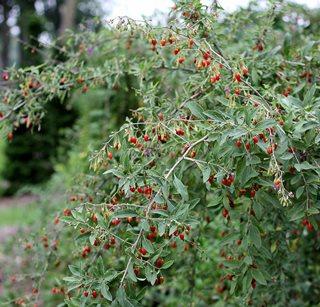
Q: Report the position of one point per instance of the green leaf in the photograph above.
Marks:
(181, 188)
(105, 292)
(75, 270)
(258, 276)
(299, 192)
(229, 238)
(131, 273)
(296, 213)
(312, 211)
(206, 172)
(168, 264)
(148, 246)
(161, 229)
(195, 109)
(215, 201)
(308, 97)
(254, 236)
(110, 275)
(124, 213)
(77, 215)
(122, 298)
(151, 275)
(264, 124)
(115, 172)
(194, 202)
(303, 166)
(71, 279)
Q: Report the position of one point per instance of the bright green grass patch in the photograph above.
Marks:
(19, 215)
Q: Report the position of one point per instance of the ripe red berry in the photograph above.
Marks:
(237, 77)
(215, 78)
(193, 153)
(270, 150)
(173, 244)
(5, 76)
(277, 184)
(66, 212)
(310, 227)
(163, 42)
(229, 276)
(159, 263)
(231, 178)
(252, 193)
(140, 190)
(225, 213)
(136, 271)
(132, 189)
(205, 63)
(237, 91)
(181, 60)
(181, 236)
(94, 294)
(85, 293)
(153, 228)
(151, 236)
(171, 39)
(110, 155)
(176, 51)
(115, 222)
(146, 137)
(96, 242)
(225, 182)
(255, 139)
(133, 140)
(179, 131)
(245, 71)
(94, 218)
(10, 136)
(142, 251)
(206, 55)
(112, 240)
(253, 283)
(153, 42)
(248, 146)
(238, 143)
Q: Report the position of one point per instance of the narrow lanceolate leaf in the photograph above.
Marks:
(105, 292)
(181, 188)
(168, 264)
(131, 273)
(254, 236)
(303, 166)
(206, 172)
(308, 97)
(258, 276)
(195, 109)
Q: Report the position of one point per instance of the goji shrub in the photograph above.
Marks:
(209, 191)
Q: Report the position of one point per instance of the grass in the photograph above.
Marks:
(19, 215)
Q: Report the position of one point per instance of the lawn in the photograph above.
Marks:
(17, 215)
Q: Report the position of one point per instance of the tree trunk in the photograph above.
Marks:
(68, 15)
(4, 35)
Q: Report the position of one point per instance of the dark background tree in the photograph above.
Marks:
(30, 155)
